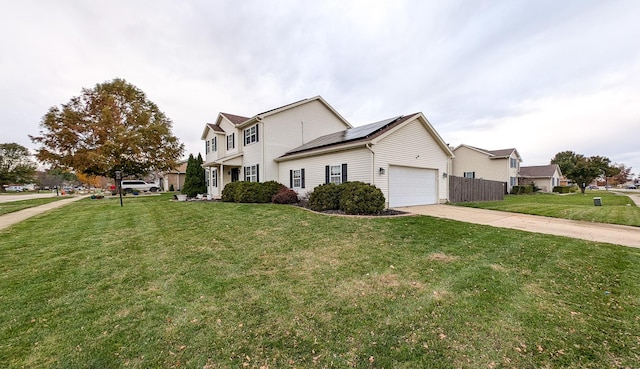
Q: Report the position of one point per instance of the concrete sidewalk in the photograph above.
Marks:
(599, 232)
(10, 219)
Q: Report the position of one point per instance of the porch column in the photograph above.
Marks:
(221, 176)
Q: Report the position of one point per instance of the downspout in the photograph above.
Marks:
(373, 164)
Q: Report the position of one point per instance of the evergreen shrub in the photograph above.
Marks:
(361, 198)
(325, 197)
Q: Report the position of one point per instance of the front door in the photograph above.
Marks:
(235, 174)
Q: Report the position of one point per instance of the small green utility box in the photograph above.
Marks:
(597, 201)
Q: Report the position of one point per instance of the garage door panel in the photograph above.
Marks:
(412, 186)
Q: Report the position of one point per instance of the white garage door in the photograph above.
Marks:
(412, 186)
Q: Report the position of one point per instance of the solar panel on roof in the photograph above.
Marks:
(346, 135)
(364, 131)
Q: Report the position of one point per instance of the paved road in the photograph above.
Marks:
(28, 196)
(599, 232)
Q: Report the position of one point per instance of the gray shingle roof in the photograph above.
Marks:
(538, 171)
(235, 119)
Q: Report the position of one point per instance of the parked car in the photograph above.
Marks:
(594, 187)
(14, 189)
(129, 185)
(631, 187)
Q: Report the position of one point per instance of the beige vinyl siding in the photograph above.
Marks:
(252, 153)
(291, 128)
(469, 160)
(410, 145)
(358, 162)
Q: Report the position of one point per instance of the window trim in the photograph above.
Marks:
(214, 144)
(293, 178)
(250, 137)
(466, 175)
(513, 163)
(330, 177)
(249, 175)
(231, 145)
(214, 177)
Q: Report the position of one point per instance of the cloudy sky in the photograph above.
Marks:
(542, 76)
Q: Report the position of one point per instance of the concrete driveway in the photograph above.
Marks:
(599, 232)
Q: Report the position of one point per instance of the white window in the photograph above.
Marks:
(469, 174)
(214, 144)
(214, 177)
(231, 141)
(251, 135)
(514, 163)
(513, 181)
(206, 147)
(251, 173)
(297, 178)
(335, 174)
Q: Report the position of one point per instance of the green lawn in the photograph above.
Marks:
(10, 207)
(615, 209)
(160, 284)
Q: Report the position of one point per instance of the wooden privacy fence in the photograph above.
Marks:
(474, 189)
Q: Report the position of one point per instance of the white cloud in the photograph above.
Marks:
(543, 76)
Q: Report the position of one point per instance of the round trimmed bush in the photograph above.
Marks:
(361, 198)
(325, 197)
(248, 192)
(268, 190)
(229, 191)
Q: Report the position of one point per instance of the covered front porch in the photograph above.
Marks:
(221, 172)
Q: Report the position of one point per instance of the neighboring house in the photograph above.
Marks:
(495, 165)
(545, 177)
(174, 177)
(307, 143)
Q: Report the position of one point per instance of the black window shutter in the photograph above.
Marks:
(216, 177)
(244, 139)
(344, 173)
(233, 140)
(245, 173)
(291, 179)
(302, 177)
(257, 172)
(257, 130)
(326, 174)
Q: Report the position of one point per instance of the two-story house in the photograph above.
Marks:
(245, 148)
(307, 143)
(495, 165)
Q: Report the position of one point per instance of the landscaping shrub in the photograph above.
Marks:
(269, 189)
(229, 191)
(325, 197)
(285, 196)
(171, 188)
(519, 190)
(249, 192)
(562, 189)
(361, 198)
(350, 197)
